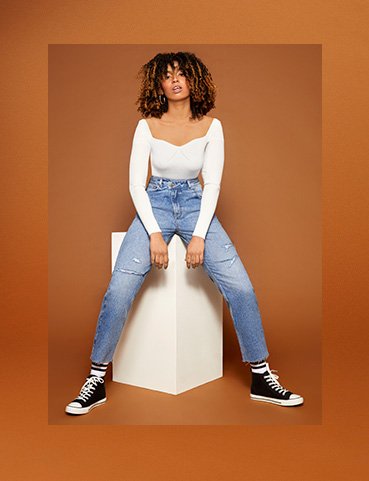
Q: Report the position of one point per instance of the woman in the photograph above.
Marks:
(177, 91)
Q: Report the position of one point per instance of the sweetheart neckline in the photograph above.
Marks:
(182, 145)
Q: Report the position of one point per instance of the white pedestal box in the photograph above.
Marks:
(172, 340)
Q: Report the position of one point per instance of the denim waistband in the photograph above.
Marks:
(169, 183)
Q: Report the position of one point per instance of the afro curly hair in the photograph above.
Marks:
(202, 88)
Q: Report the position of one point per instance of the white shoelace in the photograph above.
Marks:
(88, 387)
(273, 383)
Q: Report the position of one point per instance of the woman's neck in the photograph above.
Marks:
(178, 111)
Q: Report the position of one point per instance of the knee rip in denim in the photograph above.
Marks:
(128, 271)
(131, 271)
(226, 247)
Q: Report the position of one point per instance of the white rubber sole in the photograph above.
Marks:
(81, 410)
(280, 402)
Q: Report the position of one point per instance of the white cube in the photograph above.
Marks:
(172, 340)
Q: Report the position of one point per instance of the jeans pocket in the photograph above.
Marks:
(152, 188)
(197, 189)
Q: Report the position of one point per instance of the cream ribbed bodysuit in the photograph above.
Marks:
(205, 154)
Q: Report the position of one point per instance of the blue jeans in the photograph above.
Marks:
(176, 207)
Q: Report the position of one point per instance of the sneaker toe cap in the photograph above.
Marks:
(75, 404)
(295, 396)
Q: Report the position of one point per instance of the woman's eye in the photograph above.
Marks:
(180, 73)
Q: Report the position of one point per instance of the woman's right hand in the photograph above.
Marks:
(158, 250)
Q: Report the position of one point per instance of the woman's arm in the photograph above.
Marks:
(212, 171)
(138, 168)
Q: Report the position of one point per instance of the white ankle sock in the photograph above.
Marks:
(98, 369)
(258, 367)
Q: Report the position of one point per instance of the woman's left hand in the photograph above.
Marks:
(195, 252)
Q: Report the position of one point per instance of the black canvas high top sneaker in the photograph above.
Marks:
(92, 394)
(265, 387)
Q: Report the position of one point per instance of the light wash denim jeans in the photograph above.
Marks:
(176, 206)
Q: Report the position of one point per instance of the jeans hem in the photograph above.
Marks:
(256, 360)
(101, 361)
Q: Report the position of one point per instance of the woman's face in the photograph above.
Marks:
(174, 84)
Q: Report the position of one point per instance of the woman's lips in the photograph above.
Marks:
(176, 89)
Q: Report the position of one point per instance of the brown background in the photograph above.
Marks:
(269, 101)
(32, 448)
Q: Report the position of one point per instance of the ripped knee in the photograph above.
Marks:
(135, 267)
(128, 271)
(231, 260)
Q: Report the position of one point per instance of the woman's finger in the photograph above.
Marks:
(166, 261)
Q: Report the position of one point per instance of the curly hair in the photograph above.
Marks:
(201, 85)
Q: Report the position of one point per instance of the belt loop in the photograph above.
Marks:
(161, 182)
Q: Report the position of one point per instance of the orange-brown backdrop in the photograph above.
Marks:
(269, 101)
(30, 447)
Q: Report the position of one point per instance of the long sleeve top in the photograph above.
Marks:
(205, 154)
